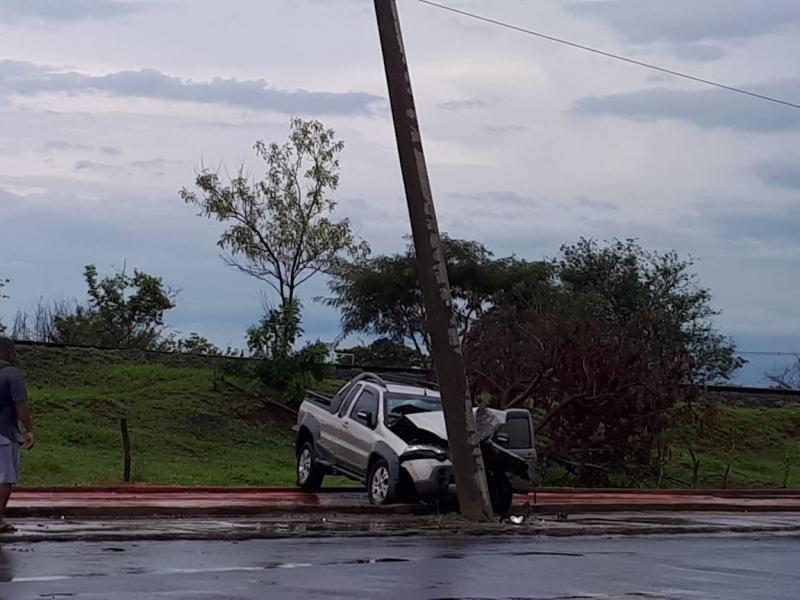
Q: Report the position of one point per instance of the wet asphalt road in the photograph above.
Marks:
(691, 568)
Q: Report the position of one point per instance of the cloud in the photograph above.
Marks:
(66, 146)
(508, 128)
(91, 165)
(765, 225)
(689, 21)
(65, 10)
(28, 79)
(705, 108)
(62, 146)
(603, 205)
(157, 166)
(780, 174)
(15, 191)
(463, 104)
(698, 52)
(494, 198)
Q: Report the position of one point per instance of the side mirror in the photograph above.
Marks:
(502, 438)
(365, 416)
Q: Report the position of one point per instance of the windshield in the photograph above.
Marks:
(398, 405)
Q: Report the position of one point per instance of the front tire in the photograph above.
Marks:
(379, 486)
(309, 475)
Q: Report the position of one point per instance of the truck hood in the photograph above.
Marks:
(432, 422)
(487, 421)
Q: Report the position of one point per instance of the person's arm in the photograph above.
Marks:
(19, 394)
(24, 415)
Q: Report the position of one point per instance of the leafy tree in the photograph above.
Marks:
(280, 229)
(194, 344)
(381, 295)
(125, 311)
(602, 396)
(619, 280)
(384, 352)
(604, 357)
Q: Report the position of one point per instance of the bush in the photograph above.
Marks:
(279, 366)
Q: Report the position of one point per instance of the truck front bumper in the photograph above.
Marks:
(431, 477)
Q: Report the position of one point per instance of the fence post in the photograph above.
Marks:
(126, 449)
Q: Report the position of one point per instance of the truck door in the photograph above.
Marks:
(358, 429)
(331, 428)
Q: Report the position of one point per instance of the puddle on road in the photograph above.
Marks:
(268, 566)
(43, 578)
(542, 553)
(628, 596)
(368, 561)
(195, 571)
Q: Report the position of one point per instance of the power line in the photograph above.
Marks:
(609, 54)
(767, 353)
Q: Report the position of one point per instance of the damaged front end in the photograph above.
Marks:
(506, 439)
(425, 468)
(426, 459)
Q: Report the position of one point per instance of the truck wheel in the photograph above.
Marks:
(500, 493)
(379, 488)
(309, 475)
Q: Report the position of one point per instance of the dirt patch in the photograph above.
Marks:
(261, 412)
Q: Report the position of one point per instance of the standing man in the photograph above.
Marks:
(13, 410)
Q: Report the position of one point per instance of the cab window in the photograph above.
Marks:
(367, 403)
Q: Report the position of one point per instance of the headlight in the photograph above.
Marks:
(424, 452)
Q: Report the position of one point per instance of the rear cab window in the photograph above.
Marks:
(336, 401)
(348, 399)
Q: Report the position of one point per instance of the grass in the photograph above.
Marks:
(740, 448)
(759, 447)
(187, 426)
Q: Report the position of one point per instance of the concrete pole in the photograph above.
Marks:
(473, 494)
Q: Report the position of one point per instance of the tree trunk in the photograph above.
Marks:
(470, 475)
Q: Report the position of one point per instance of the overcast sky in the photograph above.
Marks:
(107, 108)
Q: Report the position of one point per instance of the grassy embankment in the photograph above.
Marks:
(187, 426)
(190, 427)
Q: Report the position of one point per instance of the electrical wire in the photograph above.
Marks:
(611, 55)
(767, 353)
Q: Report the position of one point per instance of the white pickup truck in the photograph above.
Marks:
(392, 438)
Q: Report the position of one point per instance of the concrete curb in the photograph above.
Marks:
(173, 501)
(144, 511)
(430, 532)
(177, 489)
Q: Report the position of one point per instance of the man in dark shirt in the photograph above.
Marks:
(13, 410)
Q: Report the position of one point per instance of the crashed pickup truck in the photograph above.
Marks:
(391, 437)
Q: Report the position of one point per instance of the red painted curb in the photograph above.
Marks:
(180, 489)
(138, 501)
(171, 489)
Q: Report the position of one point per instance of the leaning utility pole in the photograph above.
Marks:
(473, 493)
